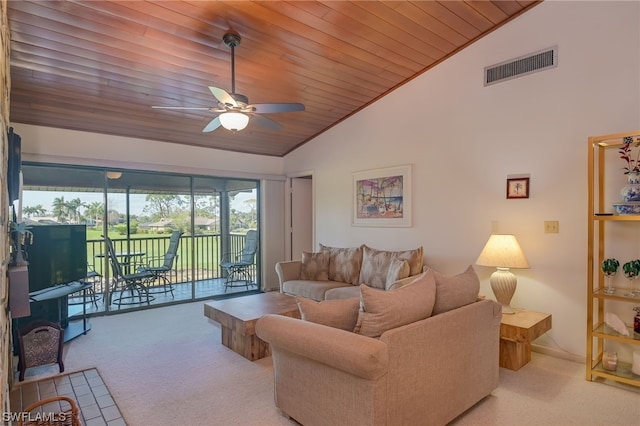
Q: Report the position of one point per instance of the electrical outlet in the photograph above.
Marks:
(551, 227)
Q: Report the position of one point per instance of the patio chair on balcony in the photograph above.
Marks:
(162, 266)
(91, 296)
(128, 287)
(239, 266)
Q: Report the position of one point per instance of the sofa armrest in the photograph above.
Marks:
(458, 350)
(352, 353)
(288, 271)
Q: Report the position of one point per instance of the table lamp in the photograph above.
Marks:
(503, 252)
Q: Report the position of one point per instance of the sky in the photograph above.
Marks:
(116, 201)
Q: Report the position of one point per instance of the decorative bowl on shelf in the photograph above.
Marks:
(627, 208)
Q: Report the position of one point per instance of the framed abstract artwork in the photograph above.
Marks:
(382, 197)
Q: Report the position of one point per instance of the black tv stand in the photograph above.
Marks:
(72, 329)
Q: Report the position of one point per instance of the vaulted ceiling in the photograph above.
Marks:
(99, 66)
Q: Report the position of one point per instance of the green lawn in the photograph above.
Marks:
(206, 255)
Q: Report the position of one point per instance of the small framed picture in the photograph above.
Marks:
(518, 187)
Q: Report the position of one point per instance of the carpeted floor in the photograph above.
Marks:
(166, 366)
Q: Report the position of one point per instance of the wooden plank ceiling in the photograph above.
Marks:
(99, 66)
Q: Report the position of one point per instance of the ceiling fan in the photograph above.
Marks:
(233, 108)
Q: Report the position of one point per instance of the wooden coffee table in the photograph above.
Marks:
(238, 316)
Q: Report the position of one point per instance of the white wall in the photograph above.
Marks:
(45, 144)
(273, 230)
(464, 139)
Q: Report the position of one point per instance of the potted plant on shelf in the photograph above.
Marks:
(630, 193)
(626, 153)
(20, 235)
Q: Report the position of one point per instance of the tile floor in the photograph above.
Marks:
(97, 408)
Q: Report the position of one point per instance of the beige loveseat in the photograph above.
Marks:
(425, 372)
(336, 273)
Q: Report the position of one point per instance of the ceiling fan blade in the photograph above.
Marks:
(265, 122)
(213, 124)
(273, 108)
(170, 107)
(223, 96)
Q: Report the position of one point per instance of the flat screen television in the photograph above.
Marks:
(58, 255)
(14, 142)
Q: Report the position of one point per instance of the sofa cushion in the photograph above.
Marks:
(344, 263)
(341, 313)
(455, 291)
(384, 310)
(312, 289)
(315, 266)
(375, 264)
(342, 292)
(398, 269)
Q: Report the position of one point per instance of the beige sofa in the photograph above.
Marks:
(425, 372)
(336, 273)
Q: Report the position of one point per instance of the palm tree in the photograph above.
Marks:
(73, 207)
(95, 210)
(30, 211)
(60, 210)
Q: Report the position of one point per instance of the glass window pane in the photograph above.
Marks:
(138, 211)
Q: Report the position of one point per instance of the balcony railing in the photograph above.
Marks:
(198, 255)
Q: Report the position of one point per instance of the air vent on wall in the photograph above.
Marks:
(513, 68)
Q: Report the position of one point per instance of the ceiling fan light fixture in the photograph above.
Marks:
(234, 121)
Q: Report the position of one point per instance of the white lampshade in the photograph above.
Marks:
(234, 121)
(114, 175)
(503, 252)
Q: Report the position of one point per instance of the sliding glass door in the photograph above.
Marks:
(139, 211)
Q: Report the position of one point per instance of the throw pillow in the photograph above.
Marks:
(344, 263)
(315, 266)
(375, 264)
(401, 283)
(398, 269)
(455, 291)
(337, 313)
(384, 310)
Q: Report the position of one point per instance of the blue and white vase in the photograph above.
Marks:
(631, 191)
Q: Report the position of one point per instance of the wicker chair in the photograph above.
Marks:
(54, 411)
(41, 343)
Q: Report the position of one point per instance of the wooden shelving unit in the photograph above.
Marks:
(599, 226)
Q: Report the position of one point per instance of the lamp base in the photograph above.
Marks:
(503, 283)
(508, 310)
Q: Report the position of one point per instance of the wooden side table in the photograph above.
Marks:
(517, 331)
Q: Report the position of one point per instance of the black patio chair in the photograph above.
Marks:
(92, 296)
(135, 284)
(162, 266)
(239, 266)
